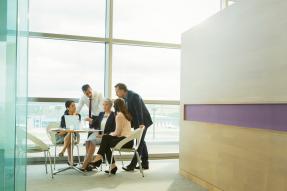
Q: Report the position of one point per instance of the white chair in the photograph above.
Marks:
(136, 135)
(40, 146)
(52, 137)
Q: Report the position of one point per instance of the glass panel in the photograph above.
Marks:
(22, 91)
(165, 128)
(230, 2)
(41, 114)
(59, 68)
(151, 72)
(13, 94)
(85, 17)
(142, 20)
(166, 123)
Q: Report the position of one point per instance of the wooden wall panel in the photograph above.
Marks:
(234, 158)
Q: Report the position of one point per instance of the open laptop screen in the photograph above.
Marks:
(72, 122)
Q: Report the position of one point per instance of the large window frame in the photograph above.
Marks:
(109, 41)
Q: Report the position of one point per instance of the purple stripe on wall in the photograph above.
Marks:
(263, 116)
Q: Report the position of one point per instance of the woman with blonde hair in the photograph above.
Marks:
(123, 130)
(104, 122)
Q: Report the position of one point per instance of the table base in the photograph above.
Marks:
(68, 168)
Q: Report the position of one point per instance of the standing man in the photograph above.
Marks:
(93, 100)
(140, 118)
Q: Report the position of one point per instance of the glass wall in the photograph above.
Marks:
(152, 72)
(160, 20)
(105, 42)
(13, 94)
(84, 18)
(71, 63)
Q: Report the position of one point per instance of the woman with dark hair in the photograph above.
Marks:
(123, 130)
(63, 137)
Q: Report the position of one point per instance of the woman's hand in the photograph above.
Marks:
(113, 134)
(89, 120)
(99, 136)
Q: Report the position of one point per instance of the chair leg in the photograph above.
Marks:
(106, 161)
(79, 158)
(121, 158)
(51, 165)
(55, 154)
(101, 169)
(140, 164)
(45, 155)
(110, 168)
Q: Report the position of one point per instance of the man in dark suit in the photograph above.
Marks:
(140, 118)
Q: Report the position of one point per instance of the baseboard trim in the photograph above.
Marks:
(199, 181)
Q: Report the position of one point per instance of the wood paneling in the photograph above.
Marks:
(233, 158)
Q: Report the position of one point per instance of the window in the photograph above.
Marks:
(152, 72)
(230, 2)
(85, 17)
(59, 68)
(160, 20)
(165, 126)
(165, 118)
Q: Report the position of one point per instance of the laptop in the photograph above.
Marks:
(72, 122)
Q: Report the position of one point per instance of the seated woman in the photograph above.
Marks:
(123, 130)
(105, 122)
(63, 137)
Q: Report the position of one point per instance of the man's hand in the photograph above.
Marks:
(142, 126)
(89, 120)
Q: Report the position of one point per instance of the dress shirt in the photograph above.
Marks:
(97, 100)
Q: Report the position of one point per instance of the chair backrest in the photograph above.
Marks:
(136, 135)
(37, 142)
(51, 134)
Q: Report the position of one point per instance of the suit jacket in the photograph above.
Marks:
(138, 110)
(110, 124)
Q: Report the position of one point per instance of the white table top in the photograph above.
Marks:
(83, 130)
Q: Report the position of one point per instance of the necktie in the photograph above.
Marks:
(90, 108)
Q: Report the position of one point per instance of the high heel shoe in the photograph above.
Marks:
(97, 163)
(88, 169)
(113, 171)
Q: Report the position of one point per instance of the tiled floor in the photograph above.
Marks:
(163, 176)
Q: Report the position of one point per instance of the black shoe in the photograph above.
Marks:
(89, 168)
(96, 164)
(113, 171)
(128, 168)
(144, 167)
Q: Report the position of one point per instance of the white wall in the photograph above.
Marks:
(237, 56)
